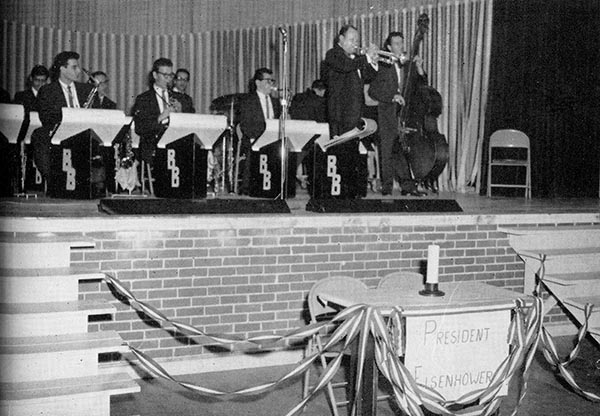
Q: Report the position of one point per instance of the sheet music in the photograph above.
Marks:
(369, 128)
(206, 127)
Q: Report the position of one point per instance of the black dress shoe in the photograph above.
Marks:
(412, 193)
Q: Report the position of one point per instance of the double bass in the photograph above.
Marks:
(425, 148)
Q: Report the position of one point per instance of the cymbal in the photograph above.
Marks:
(222, 104)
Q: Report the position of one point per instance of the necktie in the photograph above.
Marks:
(165, 99)
(267, 106)
(70, 96)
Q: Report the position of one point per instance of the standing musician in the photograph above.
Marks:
(63, 91)
(386, 90)
(256, 107)
(152, 108)
(345, 73)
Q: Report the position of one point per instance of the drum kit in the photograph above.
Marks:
(223, 171)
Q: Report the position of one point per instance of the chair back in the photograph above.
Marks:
(315, 307)
(509, 138)
(396, 279)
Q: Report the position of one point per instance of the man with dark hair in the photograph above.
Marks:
(37, 78)
(182, 79)
(345, 72)
(256, 107)
(100, 79)
(310, 104)
(64, 91)
(152, 108)
(386, 89)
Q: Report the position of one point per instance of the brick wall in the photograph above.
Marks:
(251, 276)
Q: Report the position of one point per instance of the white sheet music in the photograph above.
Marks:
(298, 133)
(367, 129)
(105, 123)
(206, 127)
(11, 120)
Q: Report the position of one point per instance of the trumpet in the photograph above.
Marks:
(386, 56)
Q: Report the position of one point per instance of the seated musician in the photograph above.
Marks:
(386, 90)
(63, 91)
(152, 108)
(100, 79)
(180, 84)
(255, 108)
(28, 98)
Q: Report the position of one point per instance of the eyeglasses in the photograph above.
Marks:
(269, 80)
(166, 75)
(182, 79)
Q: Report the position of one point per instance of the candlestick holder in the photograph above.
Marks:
(431, 289)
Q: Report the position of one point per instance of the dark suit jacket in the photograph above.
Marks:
(309, 106)
(26, 99)
(345, 94)
(252, 119)
(383, 88)
(187, 104)
(106, 104)
(145, 116)
(51, 100)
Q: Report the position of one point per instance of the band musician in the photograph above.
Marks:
(152, 108)
(256, 107)
(386, 89)
(64, 91)
(345, 72)
(37, 79)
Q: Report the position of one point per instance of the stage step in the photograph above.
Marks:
(554, 237)
(49, 362)
(89, 396)
(55, 356)
(565, 260)
(59, 284)
(50, 318)
(39, 250)
(572, 279)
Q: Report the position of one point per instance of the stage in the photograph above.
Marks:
(249, 274)
(36, 205)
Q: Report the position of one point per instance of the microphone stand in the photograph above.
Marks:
(283, 116)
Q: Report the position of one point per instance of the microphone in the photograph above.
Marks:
(283, 31)
(91, 79)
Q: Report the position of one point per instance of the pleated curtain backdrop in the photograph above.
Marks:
(456, 52)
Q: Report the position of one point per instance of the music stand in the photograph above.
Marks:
(12, 117)
(333, 176)
(78, 141)
(180, 164)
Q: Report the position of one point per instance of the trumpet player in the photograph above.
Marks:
(345, 72)
(386, 89)
(64, 90)
(152, 108)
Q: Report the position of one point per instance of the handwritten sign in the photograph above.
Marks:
(456, 353)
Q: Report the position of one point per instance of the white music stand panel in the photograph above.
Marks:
(298, 133)
(11, 120)
(105, 123)
(34, 123)
(206, 127)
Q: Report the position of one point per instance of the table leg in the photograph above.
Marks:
(366, 402)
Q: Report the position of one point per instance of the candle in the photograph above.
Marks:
(433, 261)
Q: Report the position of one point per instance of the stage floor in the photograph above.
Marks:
(470, 203)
